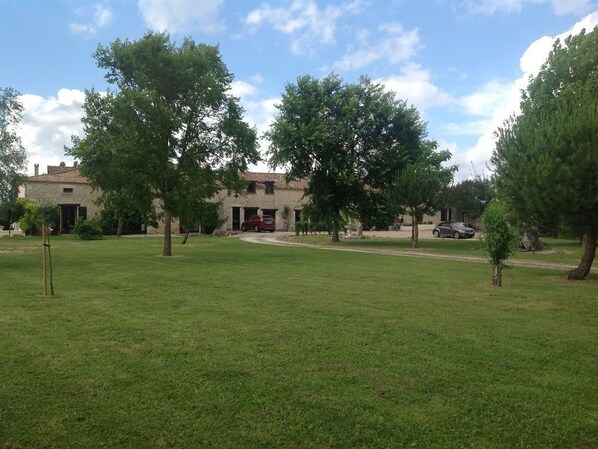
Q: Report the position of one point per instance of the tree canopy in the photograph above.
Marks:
(471, 196)
(420, 188)
(546, 159)
(347, 140)
(12, 153)
(171, 127)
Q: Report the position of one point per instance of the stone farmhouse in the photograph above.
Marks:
(267, 194)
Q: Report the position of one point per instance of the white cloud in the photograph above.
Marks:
(242, 89)
(304, 21)
(496, 101)
(395, 46)
(48, 124)
(490, 97)
(182, 15)
(102, 17)
(563, 7)
(492, 7)
(472, 128)
(416, 87)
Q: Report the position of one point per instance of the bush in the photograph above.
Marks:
(88, 230)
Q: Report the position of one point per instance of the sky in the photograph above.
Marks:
(461, 63)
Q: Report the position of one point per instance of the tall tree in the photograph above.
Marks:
(171, 127)
(420, 188)
(12, 153)
(471, 196)
(546, 158)
(347, 140)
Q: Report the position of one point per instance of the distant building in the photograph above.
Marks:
(267, 194)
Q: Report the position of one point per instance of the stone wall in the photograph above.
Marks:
(65, 193)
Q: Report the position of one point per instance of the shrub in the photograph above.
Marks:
(88, 230)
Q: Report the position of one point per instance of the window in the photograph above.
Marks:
(67, 190)
(269, 187)
(251, 187)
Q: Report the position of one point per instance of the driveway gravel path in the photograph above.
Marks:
(280, 239)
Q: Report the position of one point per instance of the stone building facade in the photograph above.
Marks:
(267, 194)
(66, 187)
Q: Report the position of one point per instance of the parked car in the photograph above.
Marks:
(455, 229)
(259, 223)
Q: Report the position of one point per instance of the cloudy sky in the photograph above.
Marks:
(462, 63)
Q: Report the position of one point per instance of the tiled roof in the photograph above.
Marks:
(277, 178)
(68, 175)
(71, 175)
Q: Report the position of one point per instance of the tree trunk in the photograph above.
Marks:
(119, 227)
(50, 262)
(414, 231)
(496, 275)
(588, 249)
(44, 260)
(359, 229)
(530, 241)
(185, 238)
(335, 238)
(167, 250)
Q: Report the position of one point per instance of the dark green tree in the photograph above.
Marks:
(546, 159)
(11, 212)
(420, 188)
(347, 140)
(12, 154)
(170, 128)
(471, 197)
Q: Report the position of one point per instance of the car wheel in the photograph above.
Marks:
(436, 233)
(243, 228)
(256, 229)
(457, 235)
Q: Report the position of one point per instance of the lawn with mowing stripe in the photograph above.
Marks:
(556, 250)
(229, 344)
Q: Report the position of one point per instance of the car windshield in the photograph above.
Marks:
(458, 225)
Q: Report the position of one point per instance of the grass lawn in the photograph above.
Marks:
(561, 251)
(229, 344)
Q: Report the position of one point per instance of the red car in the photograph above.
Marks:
(259, 223)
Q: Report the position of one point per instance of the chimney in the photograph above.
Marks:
(36, 169)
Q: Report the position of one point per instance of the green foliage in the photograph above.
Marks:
(420, 188)
(29, 222)
(471, 196)
(501, 237)
(88, 230)
(209, 218)
(48, 213)
(12, 153)
(546, 159)
(10, 212)
(171, 136)
(347, 140)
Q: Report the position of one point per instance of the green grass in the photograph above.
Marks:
(560, 251)
(230, 344)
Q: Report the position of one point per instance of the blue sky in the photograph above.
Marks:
(462, 63)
